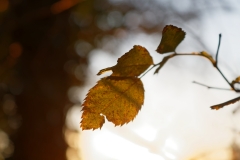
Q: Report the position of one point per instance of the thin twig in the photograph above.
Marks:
(154, 65)
(216, 64)
(210, 59)
(209, 87)
(225, 78)
(219, 43)
(218, 106)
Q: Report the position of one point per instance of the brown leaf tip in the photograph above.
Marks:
(172, 36)
(173, 29)
(215, 107)
(104, 70)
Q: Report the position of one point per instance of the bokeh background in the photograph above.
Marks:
(50, 52)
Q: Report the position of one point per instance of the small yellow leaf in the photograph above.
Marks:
(132, 63)
(118, 99)
(172, 36)
(218, 106)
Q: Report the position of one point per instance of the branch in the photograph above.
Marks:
(219, 43)
(214, 63)
(225, 78)
(218, 106)
(203, 54)
(209, 87)
(209, 57)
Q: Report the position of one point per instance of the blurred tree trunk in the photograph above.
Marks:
(45, 39)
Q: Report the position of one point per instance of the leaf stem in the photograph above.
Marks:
(154, 65)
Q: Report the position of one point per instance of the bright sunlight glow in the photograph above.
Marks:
(146, 131)
(105, 143)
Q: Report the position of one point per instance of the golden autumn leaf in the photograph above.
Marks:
(172, 36)
(117, 98)
(132, 63)
(91, 120)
